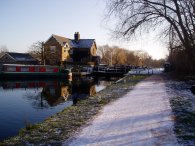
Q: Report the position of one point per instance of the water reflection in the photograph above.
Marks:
(41, 93)
(35, 100)
(56, 94)
(50, 93)
(81, 88)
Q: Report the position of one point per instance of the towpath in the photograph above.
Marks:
(140, 118)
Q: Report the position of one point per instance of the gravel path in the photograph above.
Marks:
(140, 118)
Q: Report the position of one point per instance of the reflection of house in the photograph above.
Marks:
(56, 95)
(60, 49)
(85, 86)
(17, 58)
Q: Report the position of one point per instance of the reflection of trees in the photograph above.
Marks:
(92, 90)
(51, 95)
(36, 99)
(45, 94)
(65, 92)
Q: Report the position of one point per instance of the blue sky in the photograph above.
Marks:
(24, 22)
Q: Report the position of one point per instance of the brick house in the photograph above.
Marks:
(58, 49)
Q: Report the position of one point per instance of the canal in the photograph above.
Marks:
(32, 101)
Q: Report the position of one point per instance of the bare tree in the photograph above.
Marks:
(105, 53)
(120, 56)
(3, 49)
(132, 58)
(144, 58)
(176, 18)
(37, 51)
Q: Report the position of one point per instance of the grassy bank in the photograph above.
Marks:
(62, 125)
(183, 107)
(184, 120)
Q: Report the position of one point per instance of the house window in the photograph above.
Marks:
(52, 49)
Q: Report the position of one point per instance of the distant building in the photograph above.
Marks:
(17, 58)
(58, 49)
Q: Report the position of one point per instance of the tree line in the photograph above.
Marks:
(3, 49)
(175, 20)
(114, 55)
(111, 55)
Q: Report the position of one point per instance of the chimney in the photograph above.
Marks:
(76, 36)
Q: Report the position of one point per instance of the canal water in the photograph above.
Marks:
(24, 102)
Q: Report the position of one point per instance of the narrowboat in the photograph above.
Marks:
(110, 71)
(18, 71)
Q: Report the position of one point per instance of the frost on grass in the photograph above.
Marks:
(183, 106)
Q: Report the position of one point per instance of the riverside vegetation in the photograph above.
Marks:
(183, 107)
(64, 124)
(184, 120)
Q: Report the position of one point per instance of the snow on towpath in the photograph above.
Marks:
(141, 118)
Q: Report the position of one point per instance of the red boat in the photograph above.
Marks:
(15, 71)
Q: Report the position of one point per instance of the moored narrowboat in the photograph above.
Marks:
(106, 71)
(15, 71)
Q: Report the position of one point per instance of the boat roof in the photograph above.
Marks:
(28, 65)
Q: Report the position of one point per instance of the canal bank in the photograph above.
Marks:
(142, 117)
(33, 101)
(63, 124)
